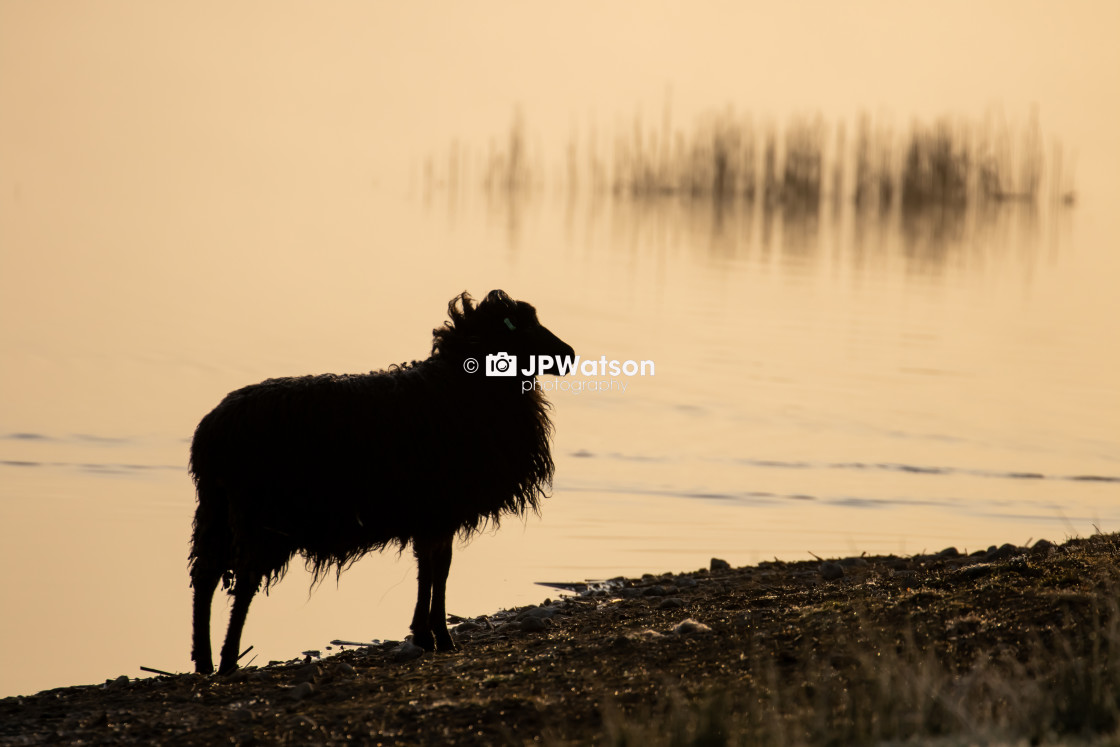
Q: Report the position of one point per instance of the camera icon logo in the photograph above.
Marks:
(501, 364)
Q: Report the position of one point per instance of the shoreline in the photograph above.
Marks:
(1006, 644)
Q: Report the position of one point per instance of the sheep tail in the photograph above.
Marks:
(211, 537)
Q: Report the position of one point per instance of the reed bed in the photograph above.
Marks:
(947, 163)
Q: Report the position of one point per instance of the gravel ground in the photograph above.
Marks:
(1006, 644)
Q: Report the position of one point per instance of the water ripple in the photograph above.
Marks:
(916, 469)
(924, 470)
(94, 467)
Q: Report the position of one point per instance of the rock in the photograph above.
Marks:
(669, 603)
(1042, 547)
(964, 626)
(831, 571)
(1003, 552)
(307, 673)
(344, 668)
(949, 552)
(629, 592)
(973, 572)
(654, 591)
(539, 612)
(685, 582)
(468, 627)
(301, 691)
(240, 675)
(690, 627)
(406, 651)
(853, 562)
(119, 682)
(720, 565)
(1019, 565)
(533, 625)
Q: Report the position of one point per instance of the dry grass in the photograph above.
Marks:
(1031, 655)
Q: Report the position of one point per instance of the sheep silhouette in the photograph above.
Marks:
(336, 466)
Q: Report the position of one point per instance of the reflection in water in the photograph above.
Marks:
(928, 240)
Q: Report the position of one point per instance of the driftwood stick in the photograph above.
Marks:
(158, 671)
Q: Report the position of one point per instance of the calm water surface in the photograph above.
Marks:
(846, 384)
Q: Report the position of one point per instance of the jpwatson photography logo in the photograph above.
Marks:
(604, 374)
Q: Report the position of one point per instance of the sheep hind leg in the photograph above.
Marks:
(204, 581)
(422, 636)
(244, 588)
(437, 619)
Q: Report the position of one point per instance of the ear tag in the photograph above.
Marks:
(509, 324)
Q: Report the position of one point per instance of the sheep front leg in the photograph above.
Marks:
(437, 620)
(429, 620)
(421, 631)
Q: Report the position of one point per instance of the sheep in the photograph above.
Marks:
(336, 466)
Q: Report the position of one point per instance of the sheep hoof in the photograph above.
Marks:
(444, 642)
(203, 664)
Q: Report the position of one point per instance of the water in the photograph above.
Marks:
(832, 391)
(828, 386)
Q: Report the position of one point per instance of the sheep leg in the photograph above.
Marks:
(437, 620)
(204, 581)
(429, 621)
(421, 629)
(244, 588)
